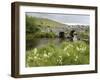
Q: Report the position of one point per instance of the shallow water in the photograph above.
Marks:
(39, 42)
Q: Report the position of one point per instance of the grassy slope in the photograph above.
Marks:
(44, 22)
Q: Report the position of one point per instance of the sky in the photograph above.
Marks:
(63, 18)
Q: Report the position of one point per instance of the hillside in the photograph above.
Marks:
(44, 22)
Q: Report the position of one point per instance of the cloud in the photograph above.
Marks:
(63, 18)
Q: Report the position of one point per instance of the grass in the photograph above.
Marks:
(44, 35)
(66, 53)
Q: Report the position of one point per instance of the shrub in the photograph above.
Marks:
(44, 35)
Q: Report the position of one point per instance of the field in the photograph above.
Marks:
(45, 48)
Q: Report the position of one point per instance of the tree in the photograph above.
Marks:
(31, 26)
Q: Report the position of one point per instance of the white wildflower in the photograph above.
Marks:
(35, 50)
(60, 59)
(78, 49)
(30, 58)
(76, 57)
(60, 56)
(35, 57)
(49, 53)
(45, 55)
(70, 45)
(83, 49)
(60, 62)
(65, 48)
(68, 54)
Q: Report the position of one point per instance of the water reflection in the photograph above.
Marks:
(39, 42)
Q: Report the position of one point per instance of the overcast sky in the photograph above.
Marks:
(63, 18)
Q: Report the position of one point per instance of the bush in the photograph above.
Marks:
(44, 35)
(31, 26)
(84, 35)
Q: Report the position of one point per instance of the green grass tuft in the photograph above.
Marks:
(67, 53)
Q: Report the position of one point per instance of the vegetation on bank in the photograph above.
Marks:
(67, 53)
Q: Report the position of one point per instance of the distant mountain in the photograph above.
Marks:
(76, 24)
